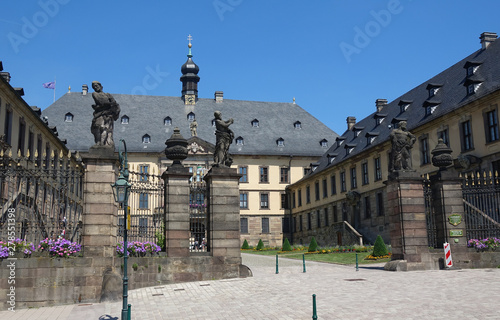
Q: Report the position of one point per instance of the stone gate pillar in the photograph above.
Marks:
(408, 226)
(100, 210)
(224, 213)
(177, 210)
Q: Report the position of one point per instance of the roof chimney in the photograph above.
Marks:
(85, 89)
(487, 38)
(219, 96)
(351, 121)
(380, 103)
(5, 76)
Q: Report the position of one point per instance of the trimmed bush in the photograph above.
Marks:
(313, 246)
(286, 245)
(379, 248)
(260, 246)
(245, 245)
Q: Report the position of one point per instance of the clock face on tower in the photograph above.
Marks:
(189, 99)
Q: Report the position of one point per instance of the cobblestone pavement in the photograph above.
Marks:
(342, 293)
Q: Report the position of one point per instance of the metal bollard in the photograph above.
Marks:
(304, 261)
(129, 312)
(315, 316)
(357, 269)
(277, 264)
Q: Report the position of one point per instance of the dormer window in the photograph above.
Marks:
(433, 89)
(404, 105)
(331, 157)
(146, 138)
(297, 125)
(280, 142)
(472, 85)
(340, 140)
(324, 143)
(191, 116)
(430, 107)
(357, 130)
(124, 120)
(349, 147)
(379, 118)
(68, 117)
(167, 121)
(370, 137)
(239, 141)
(255, 123)
(471, 67)
(314, 166)
(395, 122)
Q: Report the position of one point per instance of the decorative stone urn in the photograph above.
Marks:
(176, 149)
(441, 155)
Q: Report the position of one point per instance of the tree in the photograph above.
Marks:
(260, 246)
(245, 245)
(286, 245)
(313, 246)
(379, 248)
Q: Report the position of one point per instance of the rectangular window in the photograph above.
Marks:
(354, 182)
(299, 195)
(143, 172)
(326, 217)
(47, 156)
(309, 221)
(21, 136)
(325, 188)
(300, 223)
(424, 150)
(466, 133)
(244, 225)
(318, 218)
(308, 194)
(306, 171)
(243, 200)
(264, 175)
(284, 175)
(443, 134)
(143, 225)
(293, 199)
(244, 174)
(491, 126)
(333, 184)
(316, 190)
(264, 200)
(284, 202)
(343, 187)
(294, 224)
(31, 144)
(143, 201)
(368, 211)
(8, 125)
(380, 204)
(364, 168)
(39, 150)
(378, 169)
(335, 214)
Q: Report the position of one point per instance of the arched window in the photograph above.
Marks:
(167, 121)
(255, 123)
(297, 125)
(68, 117)
(239, 141)
(125, 119)
(146, 138)
(280, 142)
(191, 116)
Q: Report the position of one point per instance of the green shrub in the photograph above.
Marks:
(135, 266)
(260, 246)
(313, 246)
(286, 245)
(379, 249)
(245, 245)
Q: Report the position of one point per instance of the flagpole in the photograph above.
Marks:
(54, 89)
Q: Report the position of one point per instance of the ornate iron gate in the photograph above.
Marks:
(481, 196)
(42, 202)
(198, 241)
(430, 215)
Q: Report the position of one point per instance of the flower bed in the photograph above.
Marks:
(138, 249)
(484, 244)
(370, 257)
(61, 248)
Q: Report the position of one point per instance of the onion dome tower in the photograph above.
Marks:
(190, 78)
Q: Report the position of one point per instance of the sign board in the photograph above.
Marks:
(455, 219)
(457, 233)
(128, 218)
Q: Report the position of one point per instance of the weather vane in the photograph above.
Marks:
(189, 39)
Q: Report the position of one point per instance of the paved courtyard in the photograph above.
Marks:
(342, 293)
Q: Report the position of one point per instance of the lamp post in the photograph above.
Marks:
(121, 190)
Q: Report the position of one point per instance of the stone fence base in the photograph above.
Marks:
(434, 260)
(44, 281)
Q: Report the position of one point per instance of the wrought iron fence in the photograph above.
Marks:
(481, 197)
(198, 223)
(430, 215)
(40, 199)
(146, 202)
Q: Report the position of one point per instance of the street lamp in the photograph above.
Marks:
(121, 191)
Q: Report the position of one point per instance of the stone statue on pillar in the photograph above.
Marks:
(224, 138)
(402, 143)
(106, 112)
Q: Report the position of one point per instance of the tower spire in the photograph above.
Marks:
(190, 78)
(189, 46)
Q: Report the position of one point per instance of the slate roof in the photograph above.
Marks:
(452, 94)
(146, 116)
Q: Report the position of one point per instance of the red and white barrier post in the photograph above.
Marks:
(447, 255)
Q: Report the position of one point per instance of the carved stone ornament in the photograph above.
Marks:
(176, 149)
(352, 197)
(441, 155)
(194, 148)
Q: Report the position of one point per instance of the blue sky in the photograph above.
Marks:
(335, 57)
